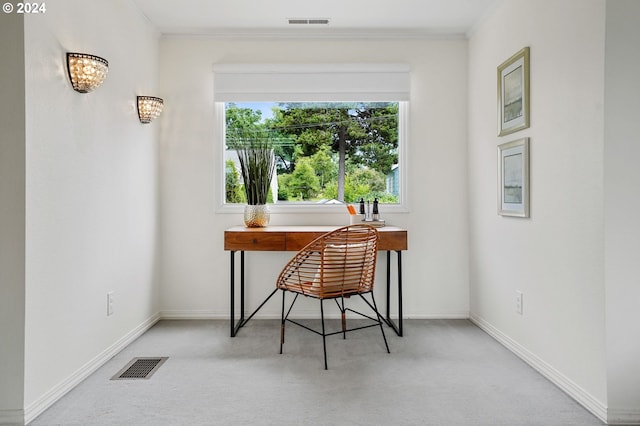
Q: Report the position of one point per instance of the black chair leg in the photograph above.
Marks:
(282, 321)
(344, 319)
(285, 317)
(375, 308)
(324, 336)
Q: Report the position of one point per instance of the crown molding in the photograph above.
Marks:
(317, 34)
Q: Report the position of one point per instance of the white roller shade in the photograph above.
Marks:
(311, 82)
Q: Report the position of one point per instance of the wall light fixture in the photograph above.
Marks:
(149, 108)
(86, 72)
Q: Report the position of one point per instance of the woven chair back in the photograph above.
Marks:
(339, 263)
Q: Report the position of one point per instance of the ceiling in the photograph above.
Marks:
(368, 18)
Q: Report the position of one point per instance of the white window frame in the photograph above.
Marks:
(310, 82)
(302, 207)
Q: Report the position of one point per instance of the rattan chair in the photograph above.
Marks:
(337, 265)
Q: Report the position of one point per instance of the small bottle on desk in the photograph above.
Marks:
(376, 213)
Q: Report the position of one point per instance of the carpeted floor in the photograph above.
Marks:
(442, 372)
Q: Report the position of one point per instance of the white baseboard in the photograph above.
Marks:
(303, 314)
(11, 417)
(583, 397)
(623, 417)
(58, 391)
(210, 315)
(193, 315)
(444, 315)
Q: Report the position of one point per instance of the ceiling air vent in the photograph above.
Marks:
(308, 21)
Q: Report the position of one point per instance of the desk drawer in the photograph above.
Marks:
(297, 240)
(254, 241)
(393, 240)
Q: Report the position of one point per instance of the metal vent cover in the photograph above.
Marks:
(139, 368)
(308, 21)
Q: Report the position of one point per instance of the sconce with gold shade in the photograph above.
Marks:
(86, 72)
(149, 108)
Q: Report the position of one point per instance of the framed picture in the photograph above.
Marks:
(513, 93)
(513, 178)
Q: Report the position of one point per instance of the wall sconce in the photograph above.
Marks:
(149, 108)
(86, 72)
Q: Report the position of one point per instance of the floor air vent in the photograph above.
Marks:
(139, 368)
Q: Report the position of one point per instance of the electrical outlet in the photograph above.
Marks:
(518, 302)
(109, 303)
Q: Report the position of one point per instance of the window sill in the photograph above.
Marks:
(309, 208)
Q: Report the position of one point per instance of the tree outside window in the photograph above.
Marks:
(324, 152)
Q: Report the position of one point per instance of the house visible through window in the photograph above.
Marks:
(325, 152)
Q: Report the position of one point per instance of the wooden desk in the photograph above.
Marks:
(293, 238)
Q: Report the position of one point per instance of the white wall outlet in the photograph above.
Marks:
(109, 303)
(518, 302)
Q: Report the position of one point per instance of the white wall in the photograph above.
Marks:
(622, 204)
(195, 268)
(12, 222)
(91, 185)
(555, 257)
(92, 192)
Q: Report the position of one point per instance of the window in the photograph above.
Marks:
(325, 152)
(329, 149)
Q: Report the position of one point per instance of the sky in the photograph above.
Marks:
(265, 107)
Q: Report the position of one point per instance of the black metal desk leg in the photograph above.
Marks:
(236, 326)
(399, 292)
(396, 327)
(388, 285)
(232, 291)
(241, 288)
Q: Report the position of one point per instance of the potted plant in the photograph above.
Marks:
(257, 165)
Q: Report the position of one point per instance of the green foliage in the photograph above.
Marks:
(242, 124)
(324, 166)
(303, 182)
(363, 134)
(368, 130)
(353, 191)
(247, 135)
(379, 148)
(373, 180)
(362, 183)
(340, 151)
(284, 193)
(233, 188)
(383, 197)
(242, 118)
